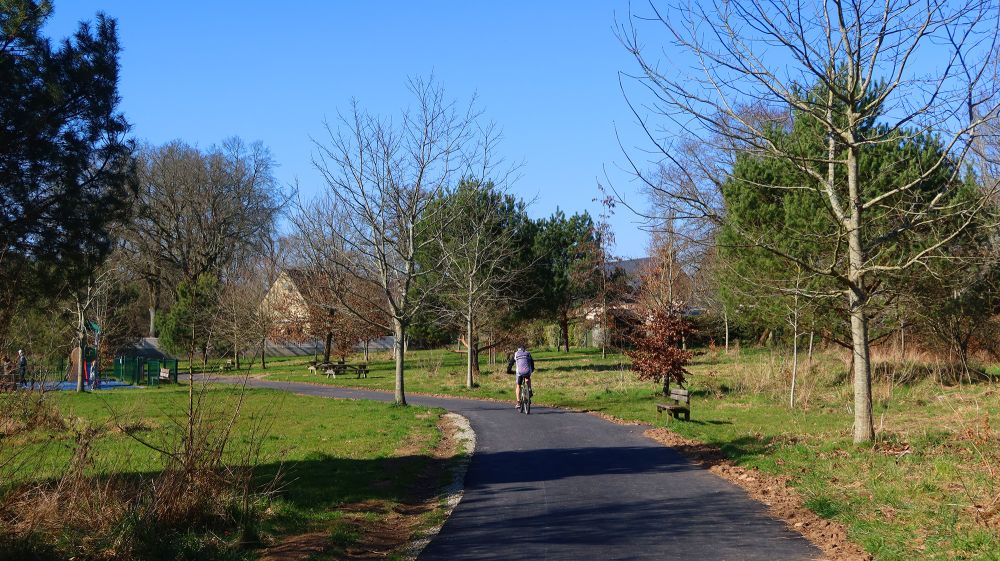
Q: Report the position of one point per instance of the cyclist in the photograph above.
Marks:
(522, 365)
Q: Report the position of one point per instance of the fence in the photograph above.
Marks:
(140, 371)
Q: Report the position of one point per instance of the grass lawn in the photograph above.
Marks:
(345, 464)
(924, 490)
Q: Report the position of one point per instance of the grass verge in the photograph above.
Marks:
(347, 470)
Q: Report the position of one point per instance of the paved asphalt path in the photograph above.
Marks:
(570, 486)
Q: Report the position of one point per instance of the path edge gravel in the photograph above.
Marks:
(453, 492)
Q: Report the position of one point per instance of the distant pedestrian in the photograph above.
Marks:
(22, 366)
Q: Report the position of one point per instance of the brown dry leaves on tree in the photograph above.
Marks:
(657, 354)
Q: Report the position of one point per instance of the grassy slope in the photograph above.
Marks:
(911, 495)
(332, 452)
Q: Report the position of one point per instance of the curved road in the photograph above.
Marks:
(562, 485)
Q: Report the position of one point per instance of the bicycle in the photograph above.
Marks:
(524, 406)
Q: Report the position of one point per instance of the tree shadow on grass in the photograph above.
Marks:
(324, 481)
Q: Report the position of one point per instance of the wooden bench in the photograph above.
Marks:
(680, 403)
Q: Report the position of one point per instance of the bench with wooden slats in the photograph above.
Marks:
(680, 403)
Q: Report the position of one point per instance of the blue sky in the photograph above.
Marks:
(545, 72)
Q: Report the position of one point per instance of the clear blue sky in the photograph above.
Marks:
(546, 72)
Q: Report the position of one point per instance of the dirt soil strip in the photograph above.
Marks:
(465, 440)
(397, 533)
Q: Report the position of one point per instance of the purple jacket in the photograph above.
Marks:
(525, 364)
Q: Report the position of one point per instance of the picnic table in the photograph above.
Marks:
(335, 368)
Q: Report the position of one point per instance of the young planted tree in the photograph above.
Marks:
(656, 352)
(243, 320)
(341, 311)
(480, 248)
(381, 177)
(82, 301)
(610, 290)
(187, 328)
(859, 72)
(116, 308)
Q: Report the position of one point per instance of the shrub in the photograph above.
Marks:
(657, 354)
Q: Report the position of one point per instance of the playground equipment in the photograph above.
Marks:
(138, 370)
(91, 360)
(142, 371)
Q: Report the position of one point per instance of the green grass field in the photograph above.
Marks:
(924, 490)
(342, 463)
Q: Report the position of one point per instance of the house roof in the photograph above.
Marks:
(147, 347)
(631, 267)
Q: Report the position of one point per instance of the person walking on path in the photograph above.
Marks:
(22, 366)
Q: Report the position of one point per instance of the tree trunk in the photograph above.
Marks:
(327, 346)
(263, 347)
(189, 445)
(399, 331)
(154, 303)
(564, 329)
(366, 349)
(725, 319)
(472, 355)
(80, 364)
(763, 337)
(864, 429)
(475, 365)
(795, 352)
(604, 342)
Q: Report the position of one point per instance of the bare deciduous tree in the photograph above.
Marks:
(871, 75)
(381, 177)
(243, 321)
(481, 261)
(201, 212)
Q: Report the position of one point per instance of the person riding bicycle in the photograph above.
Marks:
(525, 365)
